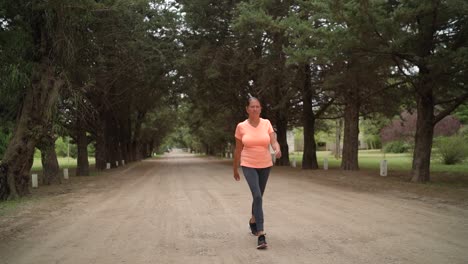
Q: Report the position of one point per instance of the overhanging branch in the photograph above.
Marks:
(450, 109)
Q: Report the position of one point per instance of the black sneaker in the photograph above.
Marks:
(253, 228)
(262, 244)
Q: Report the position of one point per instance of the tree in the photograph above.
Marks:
(262, 35)
(15, 70)
(357, 77)
(371, 127)
(427, 41)
(46, 144)
(44, 25)
(211, 74)
(315, 103)
(132, 76)
(303, 23)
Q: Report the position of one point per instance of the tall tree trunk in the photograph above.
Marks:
(111, 139)
(337, 150)
(126, 139)
(136, 137)
(424, 136)
(309, 157)
(282, 130)
(4, 191)
(124, 150)
(139, 151)
(50, 166)
(209, 149)
(35, 114)
(151, 149)
(351, 137)
(100, 155)
(82, 168)
(112, 150)
(133, 151)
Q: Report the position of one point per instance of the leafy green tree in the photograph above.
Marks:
(315, 98)
(131, 80)
(462, 114)
(262, 38)
(340, 37)
(4, 137)
(371, 127)
(427, 42)
(211, 75)
(45, 60)
(15, 70)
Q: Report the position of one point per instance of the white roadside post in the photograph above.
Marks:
(107, 166)
(325, 164)
(65, 174)
(116, 163)
(123, 162)
(34, 180)
(293, 163)
(383, 168)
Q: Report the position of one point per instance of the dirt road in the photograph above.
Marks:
(185, 209)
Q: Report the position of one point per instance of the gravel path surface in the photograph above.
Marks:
(187, 209)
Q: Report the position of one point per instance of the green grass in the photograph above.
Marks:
(370, 159)
(63, 163)
(9, 206)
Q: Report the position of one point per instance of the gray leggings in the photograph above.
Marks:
(257, 180)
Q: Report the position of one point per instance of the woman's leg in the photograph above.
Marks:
(263, 175)
(262, 181)
(252, 178)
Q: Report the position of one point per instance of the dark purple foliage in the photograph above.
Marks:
(404, 128)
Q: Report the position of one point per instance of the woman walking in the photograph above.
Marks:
(253, 138)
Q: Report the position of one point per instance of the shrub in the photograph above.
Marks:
(62, 146)
(404, 128)
(464, 132)
(37, 153)
(91, 150)
(451, 150)
(397, 147)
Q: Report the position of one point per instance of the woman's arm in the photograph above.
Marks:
(275, 145)
(237, 154)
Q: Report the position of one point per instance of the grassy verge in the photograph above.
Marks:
(63, 163)
(9, 206)
(370, 159)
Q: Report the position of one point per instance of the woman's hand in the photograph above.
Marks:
(278, 153)
(236, 175)
(274, 144)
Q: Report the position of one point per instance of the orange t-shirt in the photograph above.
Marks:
(256, 140)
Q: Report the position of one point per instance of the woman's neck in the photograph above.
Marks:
(254, 120)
